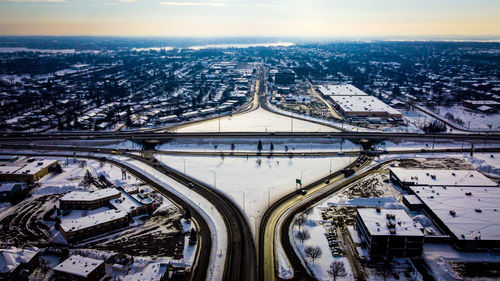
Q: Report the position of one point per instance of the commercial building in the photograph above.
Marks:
(17, 263)
(26, 170)
(340, 90)
(470, 215)
(88, 226)
(434, 177)
(88, 200)
(389, 233)
(80, 268)
(363, 106)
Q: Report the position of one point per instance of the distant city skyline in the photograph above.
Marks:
(296, 18)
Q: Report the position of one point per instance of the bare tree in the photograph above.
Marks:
(303, 235)
(313, 252)
(308, 212)
(337, 269)
(300, 221)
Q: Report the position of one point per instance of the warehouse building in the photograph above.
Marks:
(26, 170)
(434, 177)
(340, 90)
(363, 107)
(470, 215)
(389, 233)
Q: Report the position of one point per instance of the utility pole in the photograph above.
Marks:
(243, 193)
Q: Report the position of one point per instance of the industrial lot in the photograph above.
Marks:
(256, 163)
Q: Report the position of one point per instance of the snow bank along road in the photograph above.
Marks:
(240, 253)
(201, 266)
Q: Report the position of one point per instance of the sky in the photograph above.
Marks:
(276, 18)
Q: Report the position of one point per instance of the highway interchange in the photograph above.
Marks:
(246, 259)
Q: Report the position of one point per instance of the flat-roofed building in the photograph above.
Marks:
(27, 170)
(85, 200)
(80, 268)
(433, 177)
(364, 106)
(154, 271)
(470, 215)
(340, 90)
(389, 233)
(88, 226)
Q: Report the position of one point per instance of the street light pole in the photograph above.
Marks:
(269, 195)
(215, 178)
(243, 193)
(184, 165)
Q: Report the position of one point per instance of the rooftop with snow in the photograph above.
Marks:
(91, 195)
(384, 222)
(435, 177)
(367, 104)
(11, 258)
(73, 225)
(78, 265)
(468, 212)
(341, 90)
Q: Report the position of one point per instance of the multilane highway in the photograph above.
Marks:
(241, 260)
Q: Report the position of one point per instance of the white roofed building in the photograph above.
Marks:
(80, 268)
(88, 226)
(15, 262)
(88, 200)
(390, 232)
(433, 177)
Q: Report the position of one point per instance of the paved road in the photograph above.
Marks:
(201, 264)
(241, 260)
(271, 228)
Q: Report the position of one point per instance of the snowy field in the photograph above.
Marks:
(251, 185)
(243, 145)
(259, 120)
(477, 121)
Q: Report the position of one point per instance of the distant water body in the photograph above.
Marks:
(218, 46)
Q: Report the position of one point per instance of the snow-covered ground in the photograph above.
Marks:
(438, 255)
(255, 182)
(73, 173)
(318, 239)
(472, 120)
(404, 144)
(206, 209)
(243, 145)
(258, 120)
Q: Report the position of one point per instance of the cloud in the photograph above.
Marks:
(172, 3)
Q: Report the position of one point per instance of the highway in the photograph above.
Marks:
(241, 260)
(141, 136)
(201, 265)
(270, 224)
